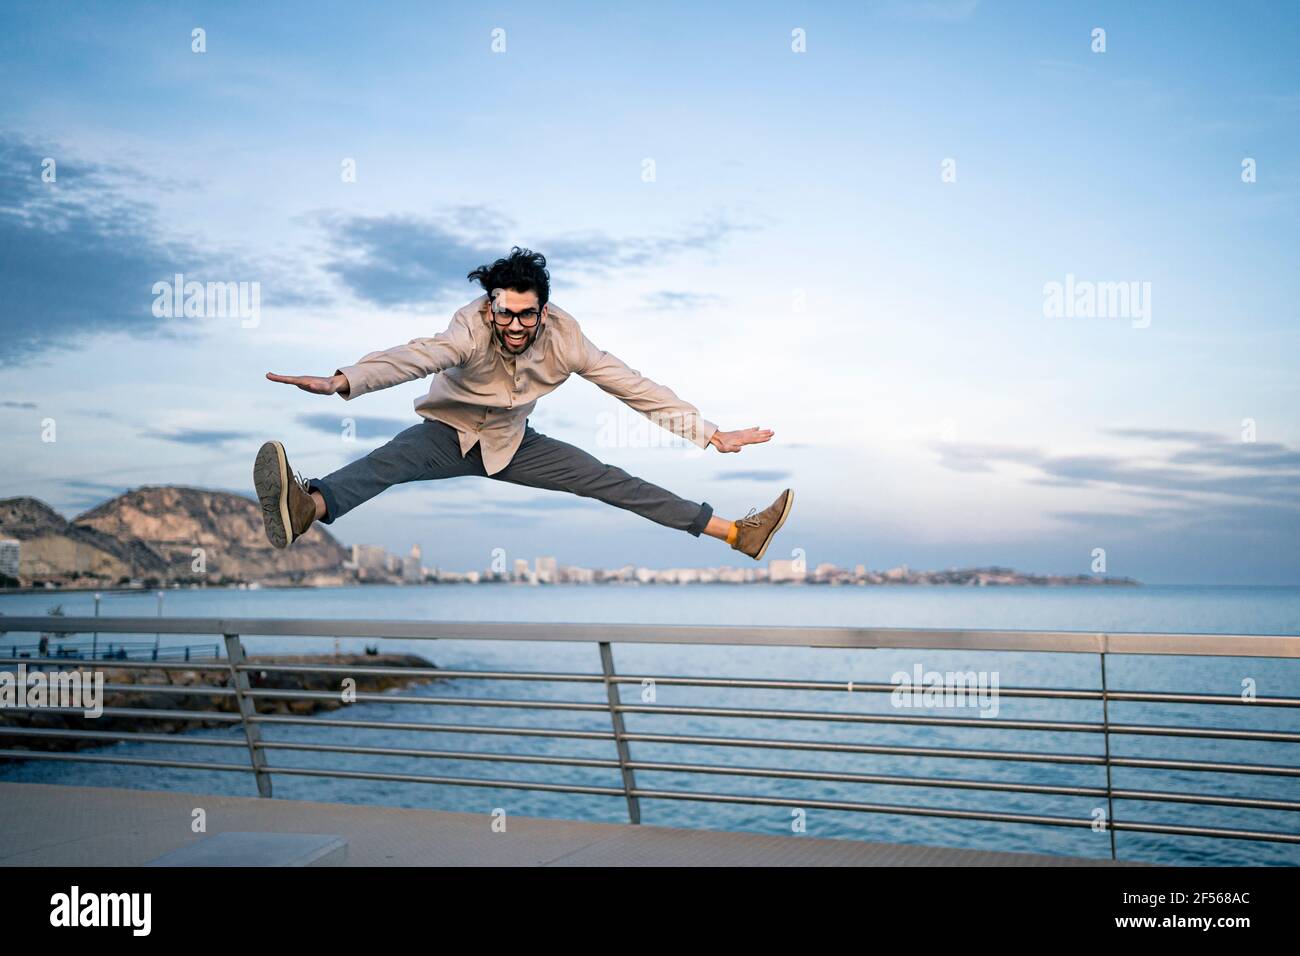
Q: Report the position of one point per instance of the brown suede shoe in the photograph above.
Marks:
(287, 507)
(754, 532)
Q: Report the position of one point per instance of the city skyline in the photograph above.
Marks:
(372, 564)
(548, 570)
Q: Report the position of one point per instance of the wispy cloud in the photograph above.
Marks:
(447, 505)
(408, 261)
(1268, 474)
(80, 256)
(1164, 434)
(960, 456)
(198, 436)
(756, 475)
(669, 301)
(403, 260)
(552, 502)
(603, 252)
(365, 426)
(80, 494)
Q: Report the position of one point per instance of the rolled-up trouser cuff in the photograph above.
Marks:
(701, 520)
(331, 505)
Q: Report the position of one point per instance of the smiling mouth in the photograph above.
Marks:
(514, 340)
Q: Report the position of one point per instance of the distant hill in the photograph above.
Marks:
(152, 532)
(53, 546)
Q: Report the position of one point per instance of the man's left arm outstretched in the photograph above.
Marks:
(658, 402)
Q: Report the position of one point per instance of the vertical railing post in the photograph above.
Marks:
(620, 741)
(247, 710)
(1105, 727)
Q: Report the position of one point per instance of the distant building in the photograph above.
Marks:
(545, 569)
(412, 572)
(572, 575)
(826, 572)
(369, 557)
(10, 554)
(521, 570)
(785, 570)
(736, 575)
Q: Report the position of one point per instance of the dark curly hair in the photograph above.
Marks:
(523, 271)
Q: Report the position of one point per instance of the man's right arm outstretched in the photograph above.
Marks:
(384, 369)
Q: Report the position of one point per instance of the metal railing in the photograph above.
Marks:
(236, 669)
(109, 651)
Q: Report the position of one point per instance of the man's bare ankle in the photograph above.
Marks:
(717, 528)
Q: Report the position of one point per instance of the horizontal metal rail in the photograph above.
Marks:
(1050, 693)
(115, 664)
(388, 725)
(119, 736)
(148, 713)
(367, 698)
(1098, 760)
(454, 781)
(128, 761)
(1077, 822)
(443, 754)
(1079, 642)
(242, 676)
(435, 673)
(201, 690)
(953, 783)
(1216, 733)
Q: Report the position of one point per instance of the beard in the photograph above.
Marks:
(532, 337)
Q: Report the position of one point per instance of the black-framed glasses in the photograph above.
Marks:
(527, 318)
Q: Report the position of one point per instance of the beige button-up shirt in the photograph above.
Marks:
(486, 393)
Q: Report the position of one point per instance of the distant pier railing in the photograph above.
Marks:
(234, 668)
(65, 651)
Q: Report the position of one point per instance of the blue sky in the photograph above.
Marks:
(797, 262)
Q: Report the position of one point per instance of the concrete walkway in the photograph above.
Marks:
(51, 825)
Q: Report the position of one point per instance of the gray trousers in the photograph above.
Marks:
(432, 450)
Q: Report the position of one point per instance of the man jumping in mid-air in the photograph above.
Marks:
(501, 353)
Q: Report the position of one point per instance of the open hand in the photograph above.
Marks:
(734, 441)
(326, 385)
